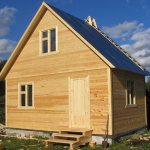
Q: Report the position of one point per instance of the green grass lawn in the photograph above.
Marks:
(136, 142)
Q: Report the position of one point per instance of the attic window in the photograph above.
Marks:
(48, 41)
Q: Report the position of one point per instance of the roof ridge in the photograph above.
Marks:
(120, 48)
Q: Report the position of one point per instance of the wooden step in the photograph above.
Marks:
(61, 141)
(68, 136)
(72, 137)
(72, 144)
(85, 132)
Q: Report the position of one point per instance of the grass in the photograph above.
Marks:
(16, 144)
(132, 142)
(23, 144)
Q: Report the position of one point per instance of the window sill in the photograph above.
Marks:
(49, 53)
(131, 106)
(21, 107)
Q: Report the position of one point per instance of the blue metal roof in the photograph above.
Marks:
(99, 42)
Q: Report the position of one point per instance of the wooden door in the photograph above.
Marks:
(79, 103)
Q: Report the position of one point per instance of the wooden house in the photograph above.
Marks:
(65, 74)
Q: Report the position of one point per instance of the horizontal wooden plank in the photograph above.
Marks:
(50, 74)
(127, 118)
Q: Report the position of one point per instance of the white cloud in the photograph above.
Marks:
(140, 47)
(123, 30)
(6, 45)
(6, 19)
(136, 39)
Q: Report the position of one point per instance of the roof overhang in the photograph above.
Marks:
(30, 29)
(22, 42)
(28, 32)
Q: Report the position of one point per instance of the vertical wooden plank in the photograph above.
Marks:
(145, 102)
(69, 93)
(88, 101)
(79, 105)
(110, 103)
(6, 102)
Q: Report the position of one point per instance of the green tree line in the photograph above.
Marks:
(2, 93)
(2, 83)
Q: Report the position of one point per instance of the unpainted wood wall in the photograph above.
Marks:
(50, 76)
(127, 118)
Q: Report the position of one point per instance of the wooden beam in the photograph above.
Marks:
(110, 103)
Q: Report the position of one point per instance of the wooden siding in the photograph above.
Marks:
(50, 75)
(127, 118)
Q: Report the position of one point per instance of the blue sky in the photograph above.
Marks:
(126, 21)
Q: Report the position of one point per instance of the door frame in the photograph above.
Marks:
(86, 78)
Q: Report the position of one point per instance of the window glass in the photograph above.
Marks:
(45, 46)
(29, 95)
(23, 88)
(23, 99)
(53, 40)
(44, 34)
(130, 93)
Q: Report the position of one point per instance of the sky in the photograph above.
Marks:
(127, 22)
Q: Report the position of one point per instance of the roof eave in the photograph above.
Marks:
(81, 38)
(22, 41)
(44, 6)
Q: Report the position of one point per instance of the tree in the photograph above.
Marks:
(2, 83)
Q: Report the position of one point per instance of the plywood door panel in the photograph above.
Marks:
(79, 104)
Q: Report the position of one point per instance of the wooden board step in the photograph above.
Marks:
(73, 144)
(67, 136)
(73, 137)
(85, 132)
(61, 141)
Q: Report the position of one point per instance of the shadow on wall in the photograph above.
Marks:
(148, 108)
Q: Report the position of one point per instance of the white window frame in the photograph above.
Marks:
(134, 98)
(25, 92)
(48, 38)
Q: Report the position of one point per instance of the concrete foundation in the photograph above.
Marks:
(99, 139)
(31, 133)
(27, 133)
